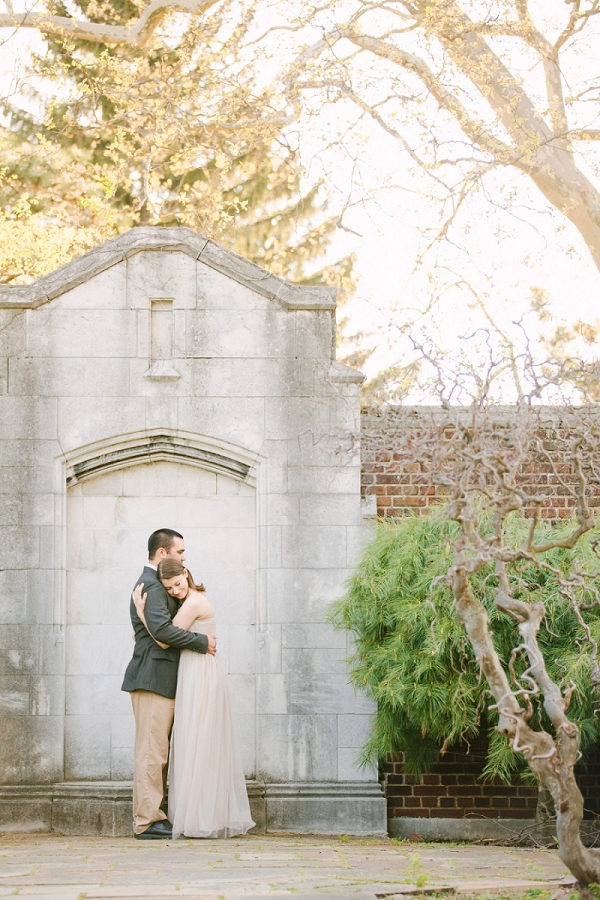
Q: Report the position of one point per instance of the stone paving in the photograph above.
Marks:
(96, 868)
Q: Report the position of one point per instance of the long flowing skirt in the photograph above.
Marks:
(207, 789)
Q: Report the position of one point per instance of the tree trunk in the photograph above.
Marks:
(544, 832)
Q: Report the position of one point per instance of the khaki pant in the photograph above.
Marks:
(153, 722)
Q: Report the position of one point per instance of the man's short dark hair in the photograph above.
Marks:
(161, 538)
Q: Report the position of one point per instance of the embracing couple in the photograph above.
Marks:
(179, 694)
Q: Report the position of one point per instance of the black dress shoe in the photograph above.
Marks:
(157, 831)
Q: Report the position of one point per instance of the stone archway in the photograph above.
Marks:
(115, 498)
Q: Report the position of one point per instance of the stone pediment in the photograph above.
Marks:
(166, 240)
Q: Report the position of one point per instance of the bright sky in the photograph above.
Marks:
(501, 251)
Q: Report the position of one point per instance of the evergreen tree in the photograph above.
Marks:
(175, 133)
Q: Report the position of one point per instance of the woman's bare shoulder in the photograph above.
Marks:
(198, 602)
(205, 609)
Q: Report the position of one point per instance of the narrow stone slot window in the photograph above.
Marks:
(161, 340)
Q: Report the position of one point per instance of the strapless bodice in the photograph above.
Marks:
(204, 626)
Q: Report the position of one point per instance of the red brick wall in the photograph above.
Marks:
(454, 788)
(403, 486)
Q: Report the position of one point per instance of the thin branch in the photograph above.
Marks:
(136, 35)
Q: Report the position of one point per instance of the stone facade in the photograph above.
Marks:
(161, 380)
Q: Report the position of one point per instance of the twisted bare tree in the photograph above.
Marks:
(480, 456)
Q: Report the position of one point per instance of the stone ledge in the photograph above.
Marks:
(104, 808)
(336, 807)
(467, 829)
(168, 240)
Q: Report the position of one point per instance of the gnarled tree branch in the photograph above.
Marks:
(137, 35)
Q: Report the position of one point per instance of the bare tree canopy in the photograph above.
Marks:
(467, 88)
(137, 34)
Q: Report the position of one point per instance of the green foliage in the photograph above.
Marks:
(104, 138)
(414, 659)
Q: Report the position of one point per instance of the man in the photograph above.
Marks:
(151, 679)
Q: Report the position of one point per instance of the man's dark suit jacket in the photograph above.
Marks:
(152, 668)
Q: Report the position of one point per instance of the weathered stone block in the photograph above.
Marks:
(276, 474)
(239, 334)
(26, 418)
(47, 695)
(350, 768)
(330, 509)
(315, 334)
(242, 649)
(51, 650)
(323, 479)
(246, 731)
(25, 809)
(258, 806)
(303, 746)
(87, 747)
(83, 423)
(107, 290)
(322, 661)
(242, 689)
(316, 636)
(14, 695)
(68, 377)
(325, 696)
(15, 480)
(289, 418)
(332, 449)
(40, 507)
(95, 694)
(227, 377)
(314, 546)
(18, 650)
(232, 592)
(313, 592)
(273, 546)
(356, 541)
(39, 742)
(159, 275)
(18, 453)
(10, 507)
(354, 730)
(283, 509)
(271, 693)
(161, 412)
(268, 649)
(217, 291)
(97, 649)
(92, 808)
(13, 331)
(240, 420)
(20, 547)
(279, 594)
(83, 335)
(121, 763)
(122, 727)
(13, 595)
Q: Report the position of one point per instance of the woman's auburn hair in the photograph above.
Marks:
(171, 568)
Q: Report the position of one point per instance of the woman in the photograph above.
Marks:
(207, 789)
